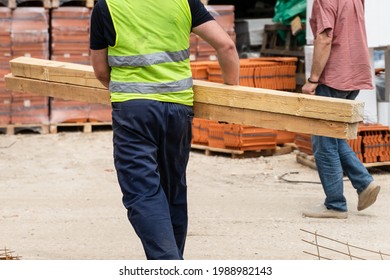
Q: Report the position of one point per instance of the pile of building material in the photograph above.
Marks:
(232, 104)
(263, 72)
(5, 55)
(30, 38)
(70, 43)
(56, 30)
(200, 50)
(371, 145)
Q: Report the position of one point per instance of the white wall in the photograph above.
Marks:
(377, 23)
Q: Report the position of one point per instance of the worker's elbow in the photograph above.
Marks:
(324, 39)
(229, 49)
(103, 78)
(327, 41)
(100, 76)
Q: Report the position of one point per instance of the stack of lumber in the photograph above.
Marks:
(59, 3)
(232, 104)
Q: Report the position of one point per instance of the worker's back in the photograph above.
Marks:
(150, 58)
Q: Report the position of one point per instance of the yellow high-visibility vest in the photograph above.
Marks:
(150, 58)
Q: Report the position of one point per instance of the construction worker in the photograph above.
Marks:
(140, 52)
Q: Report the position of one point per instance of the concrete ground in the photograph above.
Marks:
(59, 199)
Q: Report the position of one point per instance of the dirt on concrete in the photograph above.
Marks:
(60, 200)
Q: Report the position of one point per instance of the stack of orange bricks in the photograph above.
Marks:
(200, 50)
(5, 54)
(70, 34)
(371, 145)
(376, 143)
(269, 72)
(60, 34)
(264, 72)
(29, 37)
(70, 43)
(272, 73)
(233, 136)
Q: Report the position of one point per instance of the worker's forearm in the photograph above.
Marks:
(103, 75)
(230, 65)
(322, 48)
(105, 80)
(99, 61)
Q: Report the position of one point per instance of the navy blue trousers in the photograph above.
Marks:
(152, 142)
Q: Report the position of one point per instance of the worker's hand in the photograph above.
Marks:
(309, 88)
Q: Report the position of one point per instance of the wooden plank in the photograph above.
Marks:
(235, 104)
(233, 153)
(282, 102)
(55, 71)
(58, 3)
(12, 129)
(276, 121)
(207, 92)
(207, 111)
(58, 90)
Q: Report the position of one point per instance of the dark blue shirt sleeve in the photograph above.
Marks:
(199, 13)
(102, 32)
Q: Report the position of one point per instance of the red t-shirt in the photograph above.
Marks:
(348, 67)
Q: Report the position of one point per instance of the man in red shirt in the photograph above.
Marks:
(340, 69)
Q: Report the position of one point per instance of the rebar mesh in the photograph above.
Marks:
(326, 248)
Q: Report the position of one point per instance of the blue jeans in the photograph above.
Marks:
(334, 157)
(152, 142)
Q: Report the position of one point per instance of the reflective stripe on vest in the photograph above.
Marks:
(151, 87)
(149, 59)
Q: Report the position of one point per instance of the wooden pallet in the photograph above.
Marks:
(59, 3)
(12, 129)
(86, 127)
(209, 151)
(307, 160)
